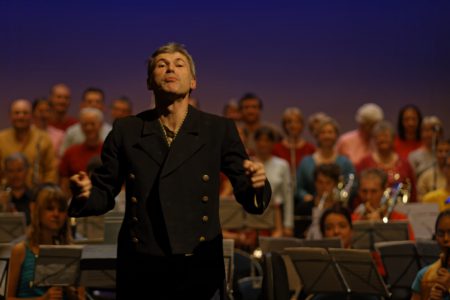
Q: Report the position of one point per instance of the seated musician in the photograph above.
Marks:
(433, 281)
(326, 179)
(372, 184)
(336, 221)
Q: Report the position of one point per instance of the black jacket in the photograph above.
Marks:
(172, 193)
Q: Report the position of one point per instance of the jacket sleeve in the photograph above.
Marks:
(254, 201)
(106, 180)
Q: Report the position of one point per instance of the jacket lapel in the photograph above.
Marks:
(152, 142)
(187, 142)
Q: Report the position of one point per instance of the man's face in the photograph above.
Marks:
(90, 125)
(16, 173)
(371, 191)
(120, 109)
(172, 74)
(94, 100)
(60, 99)
(20, 115)
(250, 111)
(42, 112)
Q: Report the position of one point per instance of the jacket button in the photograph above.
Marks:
(202, 239)
(135, 219)
(134, 200)
(205, 199)
(135, 240)
(205, 219)
(132, 176)
(205, 178)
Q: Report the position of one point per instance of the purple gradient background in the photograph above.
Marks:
(329, 56)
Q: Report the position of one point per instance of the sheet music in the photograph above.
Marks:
(422, 217)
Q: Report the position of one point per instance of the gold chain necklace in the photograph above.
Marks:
(170, 135)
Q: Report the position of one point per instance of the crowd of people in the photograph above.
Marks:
(344, 175)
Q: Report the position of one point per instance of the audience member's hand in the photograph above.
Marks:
(54, 293)
(80, 185)
(277, 233)
(256, 172)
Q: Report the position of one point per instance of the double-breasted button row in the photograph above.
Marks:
(205, 199)
(131, 176)
(205, 218)
(135, 240)
(134, 200)
(205, 178)
(202, 238)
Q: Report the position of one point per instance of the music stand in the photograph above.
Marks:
(422, 217)
(98, 266)
(322, 243)
(231, 213)
(57, 265)
(12, 226)
(277, 244)
(367, 233)
(228, 259)
(5, 254)
(337, 271)
(401, 262)
(428, 251)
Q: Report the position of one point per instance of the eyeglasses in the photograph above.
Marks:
(442, 233)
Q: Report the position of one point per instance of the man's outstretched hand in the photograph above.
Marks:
(256, 172)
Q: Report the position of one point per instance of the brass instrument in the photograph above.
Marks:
(388, 203)
(345, 190)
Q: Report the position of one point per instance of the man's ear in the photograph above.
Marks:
(193, 84)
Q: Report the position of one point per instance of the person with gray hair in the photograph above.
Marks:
(356, 144)
(385, 158)
(76, 157)
(424, 158)
(92, 97)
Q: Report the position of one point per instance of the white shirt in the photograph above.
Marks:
(278, 175)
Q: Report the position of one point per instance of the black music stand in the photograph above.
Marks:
(228, 259)
(337, 271)
(428, 251)
(58, 265)
(367, 233)
(98, 266)
(12, 226)
(401, 262)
